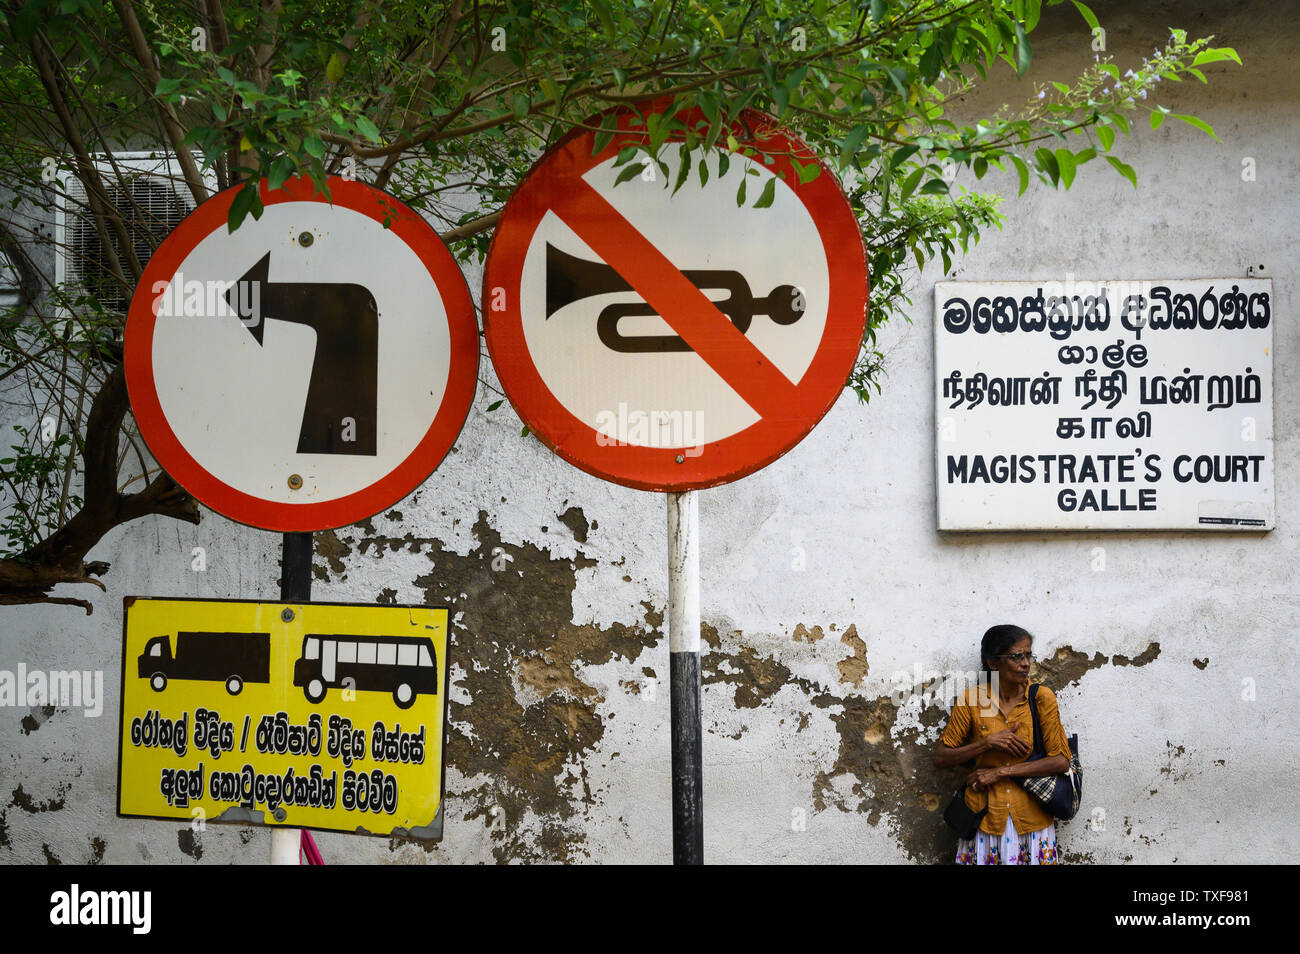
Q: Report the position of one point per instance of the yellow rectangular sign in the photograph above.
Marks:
(312, 715)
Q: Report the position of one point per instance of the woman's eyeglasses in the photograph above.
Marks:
(1019, 657)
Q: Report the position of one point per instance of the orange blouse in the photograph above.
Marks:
(971, 721)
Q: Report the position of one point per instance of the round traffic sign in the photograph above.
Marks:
(675, 338)
(309, 369)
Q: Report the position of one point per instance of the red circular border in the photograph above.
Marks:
(722, 461)
(410, 473)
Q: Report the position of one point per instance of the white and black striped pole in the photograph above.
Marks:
(295, 587)
(684, 671)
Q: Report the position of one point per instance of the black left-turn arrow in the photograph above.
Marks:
(340, 416)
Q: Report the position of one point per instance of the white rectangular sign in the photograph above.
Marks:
(1104, 405)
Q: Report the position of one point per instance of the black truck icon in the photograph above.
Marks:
(232, 658)
(403, 665)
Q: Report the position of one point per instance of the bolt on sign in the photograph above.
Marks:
(1079, 405)
(328, 716)
(654, 331)
(309, 369)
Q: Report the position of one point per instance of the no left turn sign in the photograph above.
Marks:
(674, 341)
(311, 368)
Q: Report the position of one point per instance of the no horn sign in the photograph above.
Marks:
(309, 369)
(674, 339)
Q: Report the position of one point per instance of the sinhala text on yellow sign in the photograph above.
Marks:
(319, 715)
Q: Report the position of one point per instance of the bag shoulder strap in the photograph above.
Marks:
(1039, 748)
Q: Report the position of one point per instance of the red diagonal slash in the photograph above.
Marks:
(686, 309)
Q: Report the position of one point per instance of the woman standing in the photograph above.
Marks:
(993, 725)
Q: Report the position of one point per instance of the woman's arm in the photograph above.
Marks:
(946, 755)
(1052, 765)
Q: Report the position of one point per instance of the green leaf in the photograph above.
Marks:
(704, 172)
(1123, 169)
(1215, 55)
(602, 139)
(368, 129)
(1047, 162)
(1106, 136)
(281, 169)
(1088, 15)
(769, 194)
(1157, 118)
(334, 68)
(1065, 163)
(245, 201)
(632, 169)
(852, 142)
(495, 404)
(314, 147)
(1200, 124)
(166, 85)
(910, 183)
(1024, 52)
(810, 172)
(1023, 171)
(683, 169)
(620, 76)
(935, 187)
(981, 166)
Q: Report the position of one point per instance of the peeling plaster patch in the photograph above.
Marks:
(329, 547)
(802, 634)
(1201, 663)
(1150, 653)
(576, 521)
(854, 669)
(530, 720)
(24, 801)
(1065, 667)
(97, 847)
(387, 596)
(1171, 769)
(756, 678)
(38, 716)
(50, 857)
(189, 843)
(4, 831)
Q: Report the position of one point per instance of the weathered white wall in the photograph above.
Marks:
(561, 755)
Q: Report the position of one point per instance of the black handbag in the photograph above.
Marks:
(1059, 794)
(960, 817)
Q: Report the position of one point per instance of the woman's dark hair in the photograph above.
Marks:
(998, 639)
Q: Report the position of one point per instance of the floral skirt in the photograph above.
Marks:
(1010, 848)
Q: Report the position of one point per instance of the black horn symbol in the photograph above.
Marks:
(569, 279)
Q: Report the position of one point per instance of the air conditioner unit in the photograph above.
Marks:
(149, 191)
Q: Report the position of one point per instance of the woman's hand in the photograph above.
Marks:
(1009, 742)
(983, 778)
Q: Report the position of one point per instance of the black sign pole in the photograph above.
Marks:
(684, 673)
(295, 587)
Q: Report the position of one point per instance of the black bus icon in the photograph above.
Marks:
(232, 658)
(403, 665)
